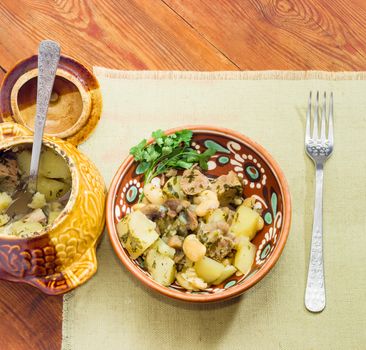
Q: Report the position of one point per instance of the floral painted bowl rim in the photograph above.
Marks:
(235, 290)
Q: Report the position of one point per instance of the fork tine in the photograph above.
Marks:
(330, 120)
(308, 118)
(316, 117)
(322, 128)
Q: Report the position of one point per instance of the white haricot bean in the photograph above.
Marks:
(207, 201)
(154, 194)
(193, 248)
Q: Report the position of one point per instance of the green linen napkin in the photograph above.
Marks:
(115, 311)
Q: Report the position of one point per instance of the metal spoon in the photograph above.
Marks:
(48, 57)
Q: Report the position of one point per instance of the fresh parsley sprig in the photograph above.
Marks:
(167, 152)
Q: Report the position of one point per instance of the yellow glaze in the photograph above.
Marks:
(63, 256)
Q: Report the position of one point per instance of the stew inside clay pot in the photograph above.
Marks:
(61, 255)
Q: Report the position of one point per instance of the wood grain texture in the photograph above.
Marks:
(119, 34)
(29, 319)
(168, 35)
(282, 34)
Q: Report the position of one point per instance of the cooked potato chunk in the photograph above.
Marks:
(161, 267)
(122, 229)
(228, 271)
(53, 166)
(217, 215)
(245, 222)
(4, 219)
(25, 229)
(154, 194)
(141, 233)
(24, 160)
(173, 189)
(5, 201)
(208, 269)
(244, 256)
(38, 201)
(161, 247)
(52, 189)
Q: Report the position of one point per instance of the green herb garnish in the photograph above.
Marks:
(167, 152)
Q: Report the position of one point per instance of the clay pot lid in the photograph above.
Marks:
(75, 105)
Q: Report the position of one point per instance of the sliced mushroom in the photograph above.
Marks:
(228, 187)
(152, 211)
(192, 221)
(175, 206)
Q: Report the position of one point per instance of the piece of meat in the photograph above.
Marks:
(227, 188)
(8, 167)
(9, 179)
(179, 257)
(192, 222)
(193, 181)
(223, 226)
(153, 211)
(36, 216)
(219, 244)
(222, 247)
(175, 206)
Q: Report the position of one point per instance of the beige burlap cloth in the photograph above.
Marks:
(114, 311)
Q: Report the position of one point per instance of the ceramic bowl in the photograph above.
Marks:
(262, 178)
(63, 255)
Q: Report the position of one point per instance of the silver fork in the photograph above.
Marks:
(319, 148)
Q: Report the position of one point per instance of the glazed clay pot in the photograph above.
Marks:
(62, 256)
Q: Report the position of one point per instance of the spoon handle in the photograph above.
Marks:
(48, 57)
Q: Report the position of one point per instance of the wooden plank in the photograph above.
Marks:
(29, 319)
(129, 35)
(270, 34)
(189, 34)
(2, 74)
(117, 34)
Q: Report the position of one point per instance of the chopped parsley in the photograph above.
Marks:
(168, 152)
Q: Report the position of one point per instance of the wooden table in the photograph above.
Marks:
(169, 35)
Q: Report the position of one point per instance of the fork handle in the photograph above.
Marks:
(315, 287)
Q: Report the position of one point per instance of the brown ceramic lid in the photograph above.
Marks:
(75, 105)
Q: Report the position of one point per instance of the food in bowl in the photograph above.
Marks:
(53, 191)
(189, 229)
(262, 180)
